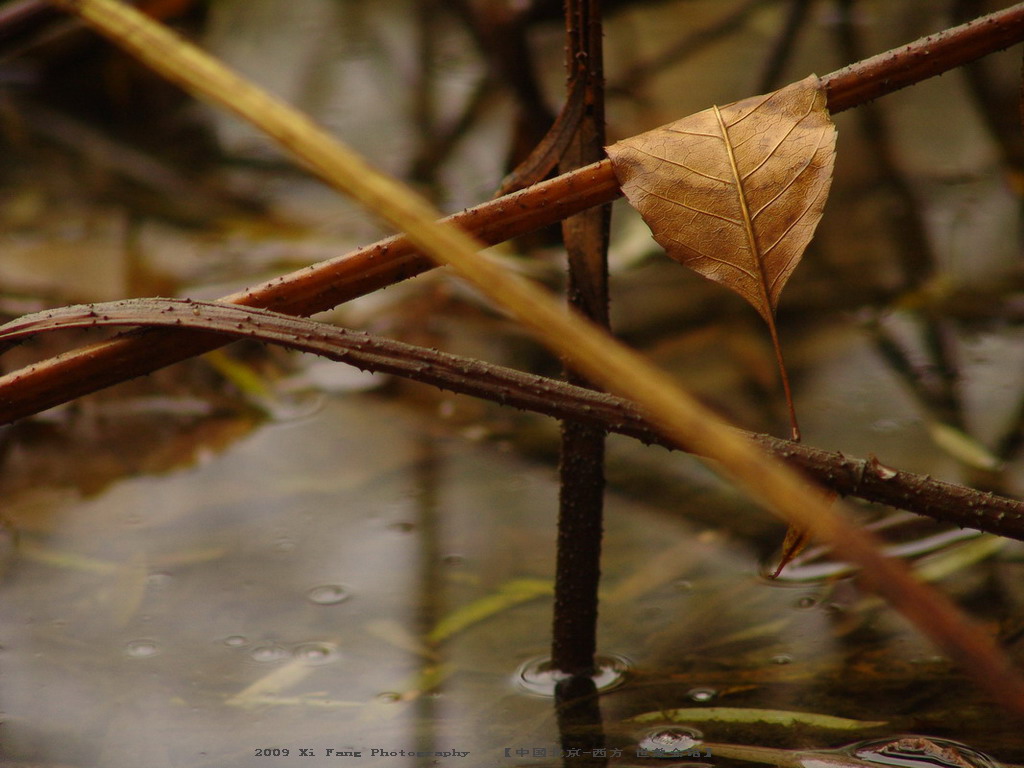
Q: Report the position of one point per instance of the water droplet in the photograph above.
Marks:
(328, 594)
(142, 649)
(920, 752)
(884, 472)
(236, 641)
(267, 653)
(537, 676)
(702, 695)
(669, 741)
(315, 653)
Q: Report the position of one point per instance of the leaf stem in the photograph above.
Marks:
(794, 427)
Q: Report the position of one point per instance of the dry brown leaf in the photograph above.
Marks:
(736, 192)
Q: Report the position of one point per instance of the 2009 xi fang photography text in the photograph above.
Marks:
(332, 752)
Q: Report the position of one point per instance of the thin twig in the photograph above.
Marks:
(698, 40)
(545, 156)
(785, 44)
(866, 479)
(906, 218)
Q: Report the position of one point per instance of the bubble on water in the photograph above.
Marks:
(236, 641)
(328, 594)
(886, 425)
(142, 649)
(284, 544)
(782, 658)
(539, 677)
(919, 752)
(702, 695)
(267, 653)
(293, 406)
(158, 580)
(669, 741)
(315, 653)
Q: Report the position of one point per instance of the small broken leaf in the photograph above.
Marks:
(798, 538)
(736, 192)
(795, 542)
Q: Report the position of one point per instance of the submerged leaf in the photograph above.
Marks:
(509, 595)
(736, 192)
(963, 447)
(751, 715)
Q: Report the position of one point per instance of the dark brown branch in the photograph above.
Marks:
(367, 269)
(863, 478)
(925, 58)
(581, 457)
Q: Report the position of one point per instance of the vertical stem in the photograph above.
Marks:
(578, 567)
(423, 93)
(784, 46)
(907, 218)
